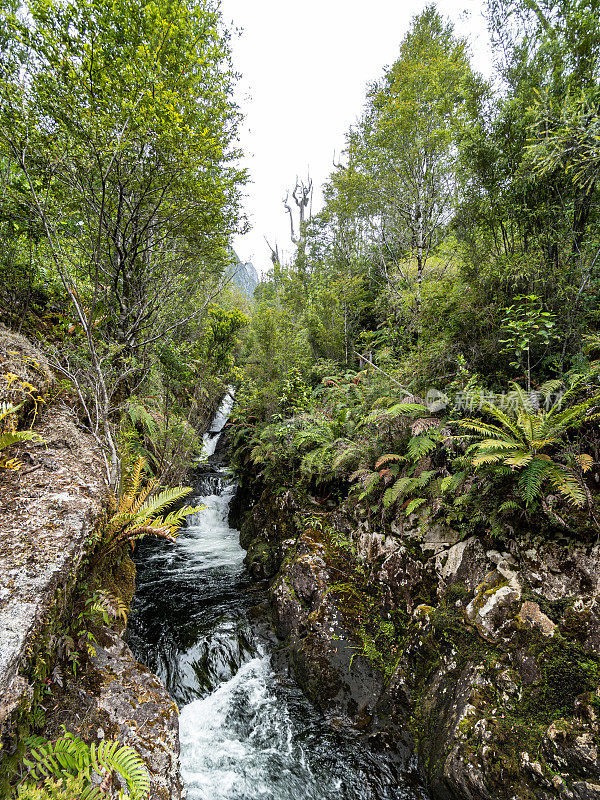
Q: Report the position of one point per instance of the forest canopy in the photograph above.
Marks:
(448, 287)
(433, 342)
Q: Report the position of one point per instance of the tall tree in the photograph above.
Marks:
(123, 124)
(530, 212)
(402, 166)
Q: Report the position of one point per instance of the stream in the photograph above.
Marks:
(246, 730)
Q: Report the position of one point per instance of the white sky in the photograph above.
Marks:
(305, 67)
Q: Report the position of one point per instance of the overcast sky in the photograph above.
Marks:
(305, 67)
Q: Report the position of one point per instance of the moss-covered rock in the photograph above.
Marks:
(486, 654)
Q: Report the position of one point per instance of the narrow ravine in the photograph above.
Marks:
(246, 731)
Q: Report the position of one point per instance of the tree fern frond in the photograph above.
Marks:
(414, 504)
(488, 457)
(550, 387)
(585, 461)
(148, 529)
(396, 411)
(531, 478)
(387, 459)
(509, 506)
(503, 419)
(133, 484)
(482, 428)
(452, 482)
(565, 482)
(519, 459)
(520, 397)
(419, 446)
(16, 437)
(175, 519)
(156, 504)
(499, 444)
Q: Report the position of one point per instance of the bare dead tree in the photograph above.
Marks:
(302, 194)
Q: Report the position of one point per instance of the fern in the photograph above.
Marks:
(349, 454)
(420, 446)
(67, 788)
(54, 764)
(114, 756)
(108, 605)
(10, 437)
(508, 507)
(387, 459)
(452, 482)
(138, 512)
(414, 504)
(531, 478)
(568, 484)
(161, 440)
(526, 440)
(405, 485)
(395, 412)
(369, 482)
(585, 461)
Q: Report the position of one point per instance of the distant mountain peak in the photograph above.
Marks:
(244, 275)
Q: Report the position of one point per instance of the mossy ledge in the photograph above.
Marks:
(483, 657)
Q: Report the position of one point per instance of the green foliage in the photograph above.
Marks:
(53, 768)
(10, 436)
(533, 442)
(60, 789)
(526, 326)
(120, 192)
(139, 512)
(165, 440)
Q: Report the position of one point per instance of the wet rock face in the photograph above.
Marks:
(47, 512)
(326, 658)
(308, 615)
(118, 698)
(134, 707)
(497, 672)
(509, 702)
(264, 530)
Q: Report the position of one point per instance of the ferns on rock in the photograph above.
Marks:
(533, 443)
(139, 511)
(10, 435)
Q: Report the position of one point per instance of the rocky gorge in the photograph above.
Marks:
(470, 664)
(480, 656)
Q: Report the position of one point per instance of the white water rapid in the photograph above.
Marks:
(246, 731)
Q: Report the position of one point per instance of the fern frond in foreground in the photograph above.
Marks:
(68, 767)
(11, 436)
